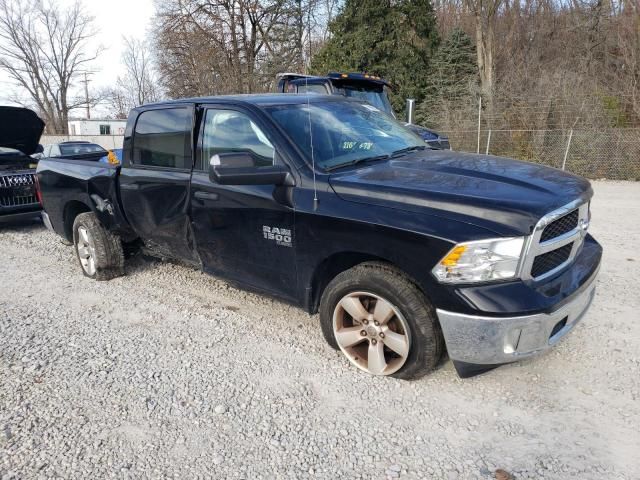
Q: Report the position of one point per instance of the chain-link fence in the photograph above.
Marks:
(613, 153)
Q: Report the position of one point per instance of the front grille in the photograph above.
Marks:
(555, 241)
(17, 190)
(548, 261)
(560, 226)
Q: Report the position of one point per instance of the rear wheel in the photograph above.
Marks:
(98, 250)
(381, 322)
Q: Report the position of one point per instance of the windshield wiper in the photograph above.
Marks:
(358, 161)
(404, 151)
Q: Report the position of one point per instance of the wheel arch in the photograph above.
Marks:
(339, 262)
(72, 209)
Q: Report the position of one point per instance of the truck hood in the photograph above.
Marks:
(21, 129)
(500, 194)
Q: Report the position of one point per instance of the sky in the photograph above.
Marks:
(113, 19)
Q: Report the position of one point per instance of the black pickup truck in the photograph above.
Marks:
(20, 131)
(331, 204)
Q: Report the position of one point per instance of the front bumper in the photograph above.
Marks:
(10, 217)
(491, 341)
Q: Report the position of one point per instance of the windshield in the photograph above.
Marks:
(343, 132)
(375, 96)
(80, 148)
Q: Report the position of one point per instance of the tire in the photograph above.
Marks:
(412, 320)
(99, 251)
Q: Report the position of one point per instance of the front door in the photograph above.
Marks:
(243, 232)
(154, 187)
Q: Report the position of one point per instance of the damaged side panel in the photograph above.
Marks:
(73, 185)
(155, 202)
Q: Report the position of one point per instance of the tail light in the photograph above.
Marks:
(38, 191)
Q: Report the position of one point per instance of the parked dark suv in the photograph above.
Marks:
(360, 86)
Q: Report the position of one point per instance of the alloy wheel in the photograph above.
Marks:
(371, 332)
(86, 251)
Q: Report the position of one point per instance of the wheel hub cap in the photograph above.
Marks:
(86, 251)
(371, 332)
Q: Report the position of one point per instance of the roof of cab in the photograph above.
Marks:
(259, 99)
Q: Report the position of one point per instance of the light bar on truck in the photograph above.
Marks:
(358, 77)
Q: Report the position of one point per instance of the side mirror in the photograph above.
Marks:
(39, 149)
(241, 169)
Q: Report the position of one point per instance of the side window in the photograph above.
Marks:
(227, 131)
(55, 151)
(312, 89)
(161, 138)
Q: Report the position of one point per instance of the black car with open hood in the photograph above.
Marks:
(20, 131)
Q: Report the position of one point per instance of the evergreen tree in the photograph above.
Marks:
(453, 67)
(394, 39)
(452, 81)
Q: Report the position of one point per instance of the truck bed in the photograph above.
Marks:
(75, 184)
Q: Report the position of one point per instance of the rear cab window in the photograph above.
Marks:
(161, 138)
(312, 88)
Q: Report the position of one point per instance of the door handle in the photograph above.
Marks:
(129, 186)
(206, 195)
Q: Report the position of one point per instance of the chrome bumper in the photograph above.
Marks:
(496, 340)
(46, 221)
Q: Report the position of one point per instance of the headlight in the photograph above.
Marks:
(481, 261)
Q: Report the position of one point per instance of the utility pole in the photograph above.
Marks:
(300, 33)
(86, 93)
(479, 120)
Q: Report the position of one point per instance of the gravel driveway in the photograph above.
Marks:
(169, 373)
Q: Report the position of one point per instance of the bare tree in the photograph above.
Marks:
(235, 46)
(139, 83)
(485, 13)
(139, 78)
(229, 39)
(322, 13)
(43, 48)
(118, 102)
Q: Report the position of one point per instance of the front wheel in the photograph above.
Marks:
(98, 250)
(381, 322)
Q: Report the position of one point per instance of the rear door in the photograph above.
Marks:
(155, 185)
(243, 232)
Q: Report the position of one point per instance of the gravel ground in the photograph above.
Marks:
(171, 373)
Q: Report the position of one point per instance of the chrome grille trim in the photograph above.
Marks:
(561, 226)
(9, 196)
(16, 180)
(535, 247)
